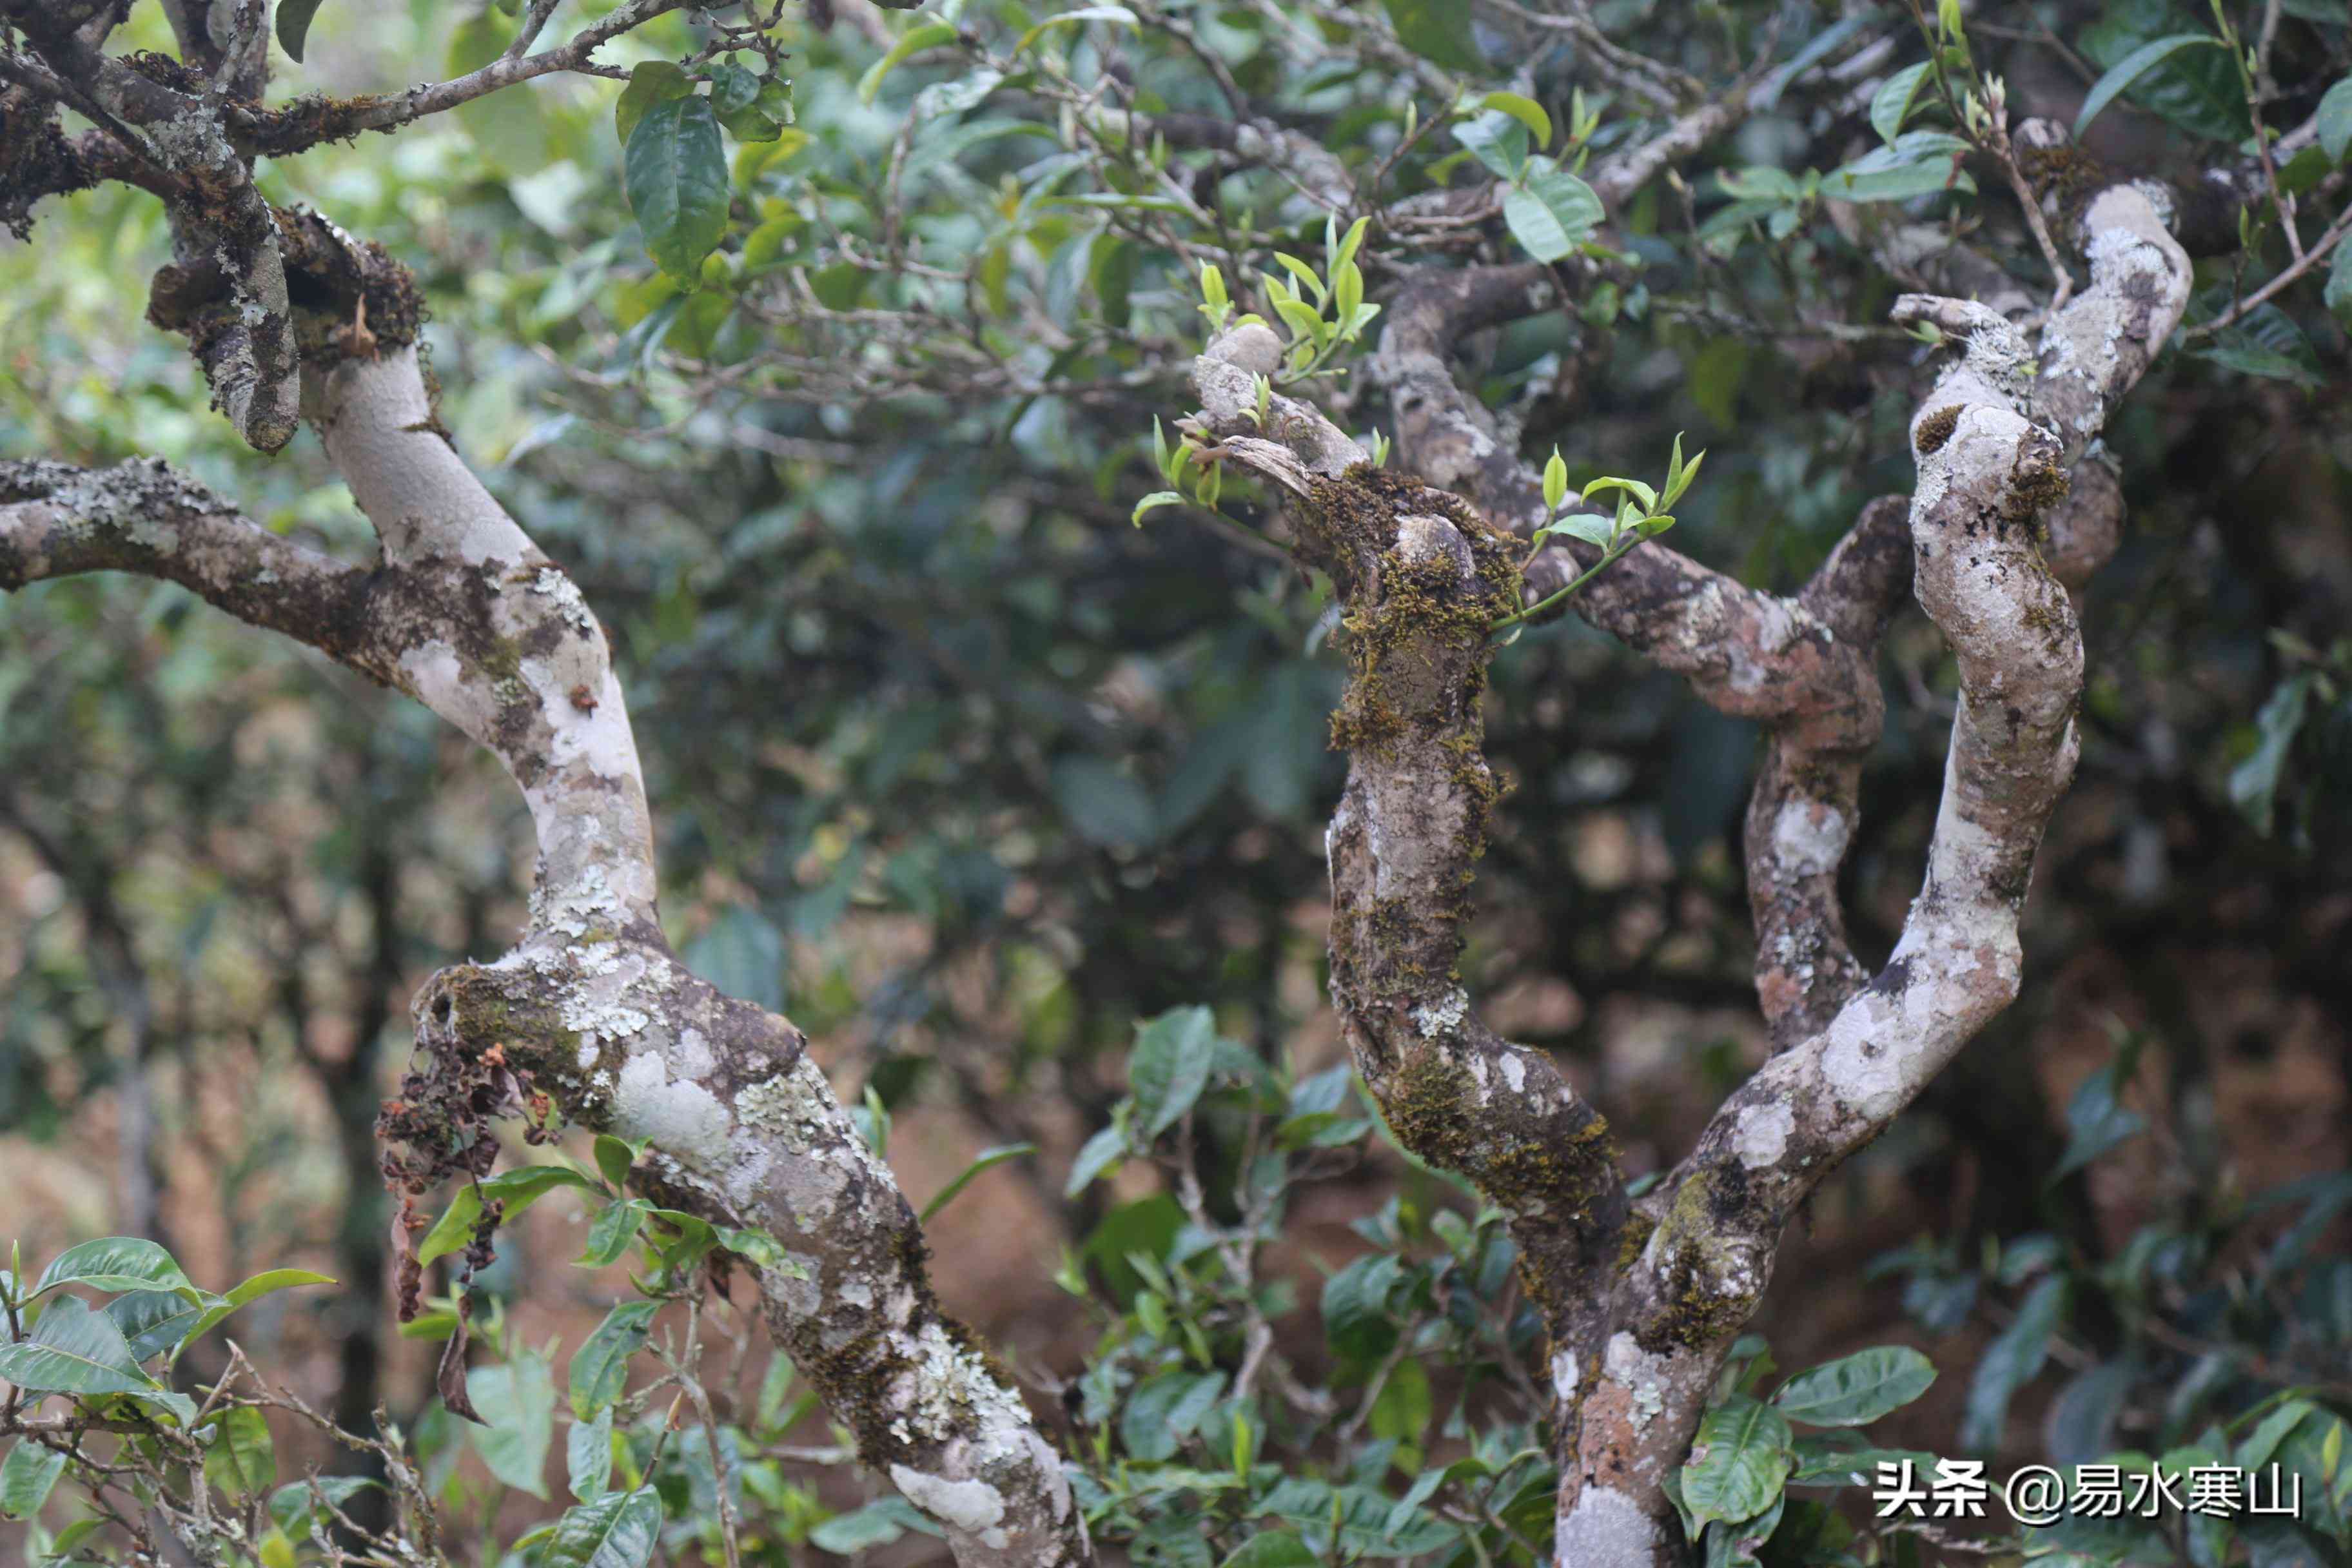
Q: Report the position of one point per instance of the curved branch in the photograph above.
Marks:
(1422, 576)
(1992, 441)
(306, 122)
(591, 1007)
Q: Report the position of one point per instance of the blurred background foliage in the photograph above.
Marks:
(972, 775)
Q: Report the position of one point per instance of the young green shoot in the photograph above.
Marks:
(1642, 513)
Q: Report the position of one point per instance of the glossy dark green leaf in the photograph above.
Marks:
(152, 1322)
(675, 171)
(1170, 1066)
(600, 1367)
(74, 1350)
(1739, 1461)
(294, 26)
(115, 1263)
(217, 1309)
(2128, 70)
(1855, 1390)
(2012, 1362)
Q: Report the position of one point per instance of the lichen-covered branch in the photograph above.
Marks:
(591, 1008)
(306, 122)
(1991, 439)
(164, 119)
(1422, 577)
(1805, 665)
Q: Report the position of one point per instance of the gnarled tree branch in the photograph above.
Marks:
(465, 614)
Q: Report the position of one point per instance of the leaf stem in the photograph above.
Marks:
(1608, 558)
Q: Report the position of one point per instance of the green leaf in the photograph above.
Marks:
(619, 1529)
(1306, 276)
(516, 1401)
(760, 1249)
(675, 173)
(1525, 110)
(615, 1156)
(267, 1282)
(650, 82)
(1588, 526)
(1355, 1308)
(1106, 806)
(1405, 1404)
(1555, 481)
(2012, 1362)
(1855, 1390)
(1083, 13)
(1154, 502)
(27, 1477)
(295, 1511)
(1164, 1410)
(1100, 1152)
(742, 954)
(74, 1350)
(152, 1322)
(1742, 1460)
(588, 1454)
(1891, 104)
(986, 1160)
(610, 1233)
(2335, 123)
(1916, 164)
(600, 1367)
(1498, 142)
(1552, 213)
(1438, 31)
(2096, 1118)
(2338, 296)
(878, 1524)
(294, 26)
(241, 1460)
(117, 1263)
(1831, 1461)
(2254, 784)
(519, 1188)
(929, 35)
(1275, 1549)
(455, 1229)
(1169, 1066)
(2133, 65)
